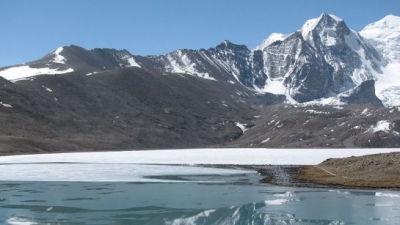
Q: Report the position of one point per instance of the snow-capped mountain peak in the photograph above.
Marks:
(322, 59)
(385, 36)
(338, 19)
(329, 35)
(391, 22)
(325, 20)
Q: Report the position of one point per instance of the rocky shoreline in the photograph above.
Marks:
(284, 176)
(280, 175)
(288, 176)
(299, 176)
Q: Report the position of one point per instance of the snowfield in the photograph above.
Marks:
(384, 35)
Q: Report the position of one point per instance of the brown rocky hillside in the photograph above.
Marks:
(377, 171)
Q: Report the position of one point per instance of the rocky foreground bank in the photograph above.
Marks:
(371, 171)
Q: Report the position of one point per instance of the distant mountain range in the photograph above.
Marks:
(78, 99)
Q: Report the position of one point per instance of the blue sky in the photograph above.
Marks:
(31, 29)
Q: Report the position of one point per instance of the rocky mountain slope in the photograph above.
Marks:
(130, 108)
(347, 126)
(327, 75)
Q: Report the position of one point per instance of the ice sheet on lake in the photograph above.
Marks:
(94, 172)
(388, 195)
(139, 166)
(240, 156)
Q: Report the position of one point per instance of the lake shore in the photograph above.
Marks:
(279, 175)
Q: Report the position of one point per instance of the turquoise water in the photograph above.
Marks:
(191, 199)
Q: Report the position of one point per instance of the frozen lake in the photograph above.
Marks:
(259, 156)
(153, 187)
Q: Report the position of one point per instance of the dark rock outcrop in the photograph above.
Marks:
(362, 94)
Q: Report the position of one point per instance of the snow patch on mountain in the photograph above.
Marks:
(338, 19)
(242, 126)
(382, 125)
(332, 101)
(274, 37)
(179, 62)
(47, 89)
(6, 105)
(309, 26)
(329, 40)
(132, 62)
(58, 58)
(366, 71)
(274, 86)
(24, 72)
(127, 59)
(265, 140)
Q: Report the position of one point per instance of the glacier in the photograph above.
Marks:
(384, 35)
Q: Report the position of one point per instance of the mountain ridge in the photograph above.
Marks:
(316, 87)
(326, 46)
